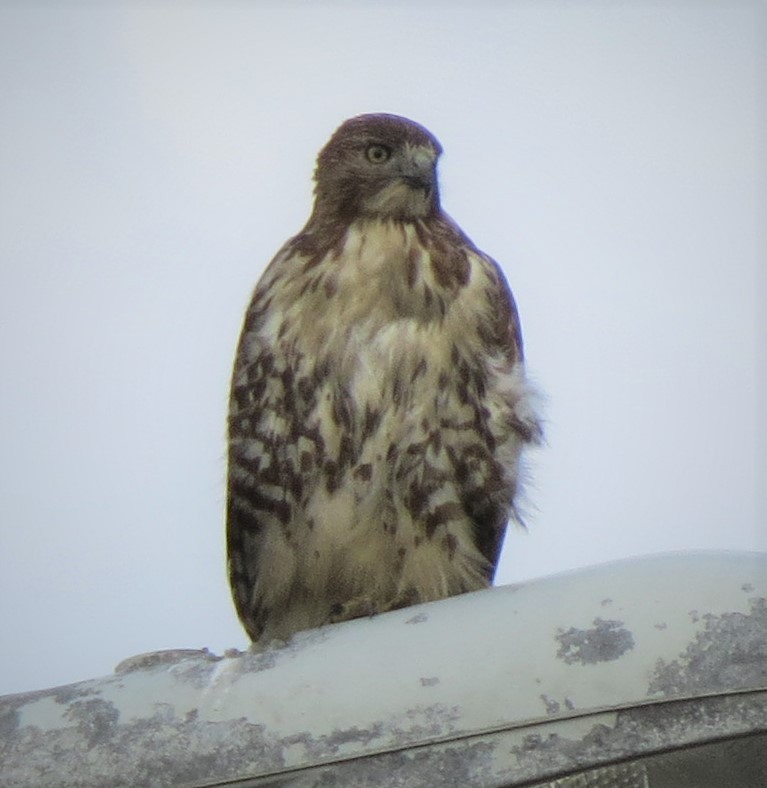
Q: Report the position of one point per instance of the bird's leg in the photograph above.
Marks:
(362, 606)
(359, 607)
(405, 598)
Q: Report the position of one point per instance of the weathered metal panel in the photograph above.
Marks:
(502, 683)
(523, 756)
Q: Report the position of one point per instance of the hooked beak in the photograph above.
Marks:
(418, 170)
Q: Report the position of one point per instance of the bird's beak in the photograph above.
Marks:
(418, 169)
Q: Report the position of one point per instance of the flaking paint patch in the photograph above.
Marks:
(559, 746)
(9, 721)
(95, 719)
(607, 640)
(729, 653)
(552, 706)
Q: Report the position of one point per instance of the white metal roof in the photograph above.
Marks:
(593, 641)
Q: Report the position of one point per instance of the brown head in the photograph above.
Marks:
(378, 165)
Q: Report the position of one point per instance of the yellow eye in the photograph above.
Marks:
(377, 154)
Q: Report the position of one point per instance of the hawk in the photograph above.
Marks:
(378, 404)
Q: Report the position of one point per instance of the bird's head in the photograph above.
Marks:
(378, 165)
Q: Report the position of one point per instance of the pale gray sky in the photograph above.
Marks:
(153, 157)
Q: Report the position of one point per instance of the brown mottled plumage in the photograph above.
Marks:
(378, 405)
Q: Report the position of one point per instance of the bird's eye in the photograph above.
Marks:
(377, 154)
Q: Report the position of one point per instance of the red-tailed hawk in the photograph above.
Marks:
(379, 403)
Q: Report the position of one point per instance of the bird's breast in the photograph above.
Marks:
(374, 294)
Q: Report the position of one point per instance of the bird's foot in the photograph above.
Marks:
(359, 607)
(364, 606)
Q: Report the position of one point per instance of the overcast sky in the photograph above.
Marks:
(153, 157)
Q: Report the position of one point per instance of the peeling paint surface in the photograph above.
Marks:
(730, 649)
(498, 687)
(605, 641)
